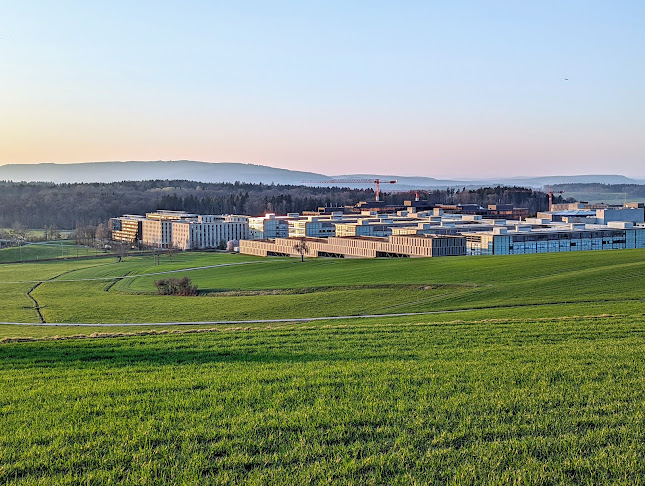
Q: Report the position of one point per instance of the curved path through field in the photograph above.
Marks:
(119, 277)
(298, 319)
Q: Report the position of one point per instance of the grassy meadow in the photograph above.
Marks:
(106, 291)
(604, 197)
(530, 370)
(45, 251)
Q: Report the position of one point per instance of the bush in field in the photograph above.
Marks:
(176, 286)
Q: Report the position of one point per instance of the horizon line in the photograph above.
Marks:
(439, 178)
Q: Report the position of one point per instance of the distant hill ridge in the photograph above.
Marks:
(252, 173)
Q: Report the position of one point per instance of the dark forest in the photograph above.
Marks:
(36, 205)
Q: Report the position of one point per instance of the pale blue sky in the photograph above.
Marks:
(446, 89)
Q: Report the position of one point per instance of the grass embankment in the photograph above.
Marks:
(555, 402)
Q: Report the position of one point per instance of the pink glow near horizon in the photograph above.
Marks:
(450, 92)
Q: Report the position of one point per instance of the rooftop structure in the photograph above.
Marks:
(599, 215)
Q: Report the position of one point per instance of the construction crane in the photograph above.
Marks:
(551, 192)
(376, 182)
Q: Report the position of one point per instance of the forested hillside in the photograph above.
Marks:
(630, 190)
(35, 205)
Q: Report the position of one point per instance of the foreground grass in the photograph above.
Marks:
(536, 402)
(535, 375)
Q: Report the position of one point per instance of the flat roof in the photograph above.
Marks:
(547, 230)
(571, 212)
(368, 238)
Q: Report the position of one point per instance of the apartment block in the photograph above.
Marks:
(182, 230)
(208, 231)
(127, 229)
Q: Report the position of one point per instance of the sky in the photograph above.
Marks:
(431, 88)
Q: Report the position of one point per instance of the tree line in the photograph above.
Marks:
(636, 191)
(70, 206)
(518, 196)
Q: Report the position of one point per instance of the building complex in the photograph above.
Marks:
(438, 231)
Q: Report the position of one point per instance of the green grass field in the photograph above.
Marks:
(603, 197)
(524, 285)
(535, 376)
(45, 251)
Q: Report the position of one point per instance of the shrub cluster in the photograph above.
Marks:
(176, 286)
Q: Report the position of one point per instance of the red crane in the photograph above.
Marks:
(551, 192)
(377, 182)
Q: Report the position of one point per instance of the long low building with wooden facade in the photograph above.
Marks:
(359, 247)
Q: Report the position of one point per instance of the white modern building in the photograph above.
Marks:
(313, 227)
(185, 231)
(270, 226)
(209, 231)
(524, 239)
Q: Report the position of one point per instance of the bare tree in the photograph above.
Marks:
(54, 234)
(102, 233)
(51, 232)
(301, 247)
(171, 251)
(20, 232)
(156, 255)
(121, 250)
(84, 235)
